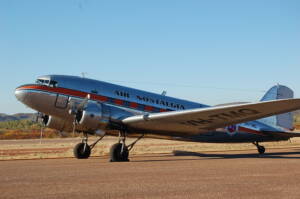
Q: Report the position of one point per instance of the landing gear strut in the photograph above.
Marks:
(119, 152)
(83, 150)
(260, 149)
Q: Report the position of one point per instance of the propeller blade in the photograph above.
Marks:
(75, 108)
(41, 135)
(83, 104)
(72, 109)
(37, 117)
(74, 127)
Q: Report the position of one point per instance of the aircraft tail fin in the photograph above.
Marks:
(285, 120)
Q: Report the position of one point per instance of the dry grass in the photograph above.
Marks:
(27, 134)
(297, 127)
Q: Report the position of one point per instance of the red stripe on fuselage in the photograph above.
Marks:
(133, 105)
(100, 98)
(63, 91)
(81, 94)
(118, 102)
(149, 108)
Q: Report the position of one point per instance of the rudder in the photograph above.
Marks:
(283, 120)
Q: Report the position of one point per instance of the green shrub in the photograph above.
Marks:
(20, 125)
(297, 120)
(27, 129)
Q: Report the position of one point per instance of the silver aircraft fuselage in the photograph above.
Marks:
(53, 94)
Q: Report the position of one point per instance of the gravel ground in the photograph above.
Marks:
(231, 174)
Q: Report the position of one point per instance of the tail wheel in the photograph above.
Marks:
(261, 149)
(117, 154)
(82, 151)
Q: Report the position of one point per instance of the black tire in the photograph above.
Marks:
(261, 149)
(116, 155)
(79, 151)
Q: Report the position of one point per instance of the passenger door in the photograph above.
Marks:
(61, 101)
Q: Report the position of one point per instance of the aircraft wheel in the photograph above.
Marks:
(116, 154)
(261, 149)
(81, 151)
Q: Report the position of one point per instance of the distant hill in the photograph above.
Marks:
(18, 116)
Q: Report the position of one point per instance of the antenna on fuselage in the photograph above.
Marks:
(83, 74)
(164, 93)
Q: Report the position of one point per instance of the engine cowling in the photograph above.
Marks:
(57, 123)
(93, 117)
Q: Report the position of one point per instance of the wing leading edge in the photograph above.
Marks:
(194, 121)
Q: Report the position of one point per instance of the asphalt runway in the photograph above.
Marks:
(234, 174)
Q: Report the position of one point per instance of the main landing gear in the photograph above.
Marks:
(83, 150)
(260, 149)
(119, 152)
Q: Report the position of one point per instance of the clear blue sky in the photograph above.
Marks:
(207, 51)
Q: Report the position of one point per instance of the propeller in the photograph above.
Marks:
(77, 109)
(41, 135)
(39, 118)
(74, 108)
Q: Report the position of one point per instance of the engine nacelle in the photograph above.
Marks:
(93, 117)
(57, 123)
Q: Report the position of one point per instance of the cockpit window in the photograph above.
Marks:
(53, 83)
(40, 81)
(47, 82)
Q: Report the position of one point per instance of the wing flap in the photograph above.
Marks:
(195, 121)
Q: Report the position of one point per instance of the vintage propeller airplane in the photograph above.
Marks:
(70, 104)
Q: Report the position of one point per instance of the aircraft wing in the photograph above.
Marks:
(195, 121)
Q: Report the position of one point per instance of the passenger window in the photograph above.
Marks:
(94, 91)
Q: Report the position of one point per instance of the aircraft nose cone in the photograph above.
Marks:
(21, 95)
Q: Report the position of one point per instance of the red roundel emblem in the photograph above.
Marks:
(232, 129)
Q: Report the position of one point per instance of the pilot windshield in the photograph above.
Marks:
(46, 82)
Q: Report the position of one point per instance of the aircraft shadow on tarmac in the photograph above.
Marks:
(205, 156)
(275, 155)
